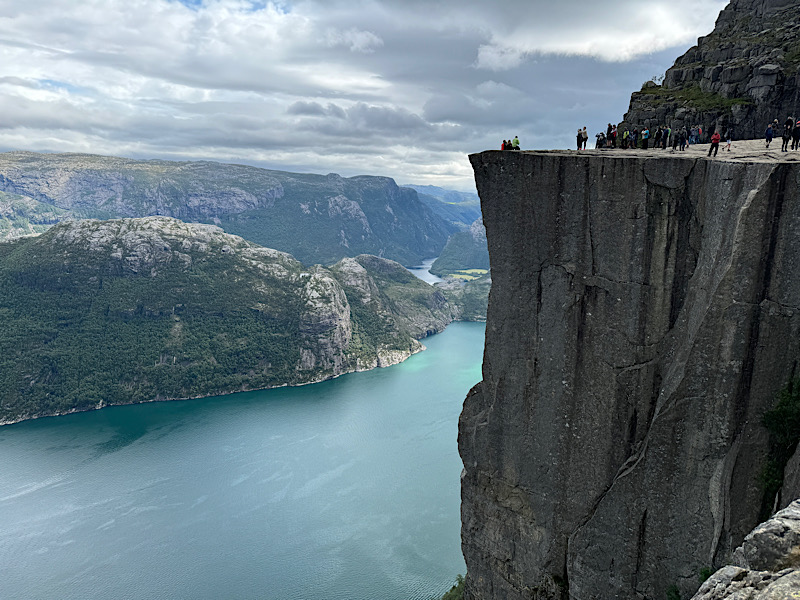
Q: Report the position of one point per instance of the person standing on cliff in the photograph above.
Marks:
(580, 139)
(714, 143)
(768, 134)
(645, 138)
(585, 136)
(796, 136)
(728, 138)
(787, 134)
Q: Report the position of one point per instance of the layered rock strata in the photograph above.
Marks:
(644, 312)
(744, 74)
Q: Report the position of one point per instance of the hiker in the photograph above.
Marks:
(714, 143)
(625, 137)
(796, 137)
(645, 137)
(787, 134)
(503, 146)
(601, 140)
(675, 137)
(657, 140)
(515, 143)
(728, 138)
(665, 137)
(634, 138)
(580, 139)
(768, 134)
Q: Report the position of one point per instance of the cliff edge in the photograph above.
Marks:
(644, 313)
(742, 75)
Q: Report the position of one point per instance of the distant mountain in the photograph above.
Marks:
(457, 208)
(316, 218)
(21, 216)
(470, 297)
(464, 250)
(96, 313)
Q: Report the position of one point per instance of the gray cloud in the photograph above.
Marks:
(377, 87)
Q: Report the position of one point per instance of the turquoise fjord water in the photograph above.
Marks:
(342, 490)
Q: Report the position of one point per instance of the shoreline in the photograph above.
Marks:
(391, 358)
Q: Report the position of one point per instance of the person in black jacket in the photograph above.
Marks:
(787, 134)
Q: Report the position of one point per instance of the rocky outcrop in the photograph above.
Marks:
(765, 567)
(744, 74)
(644, 312)
(316, 218)
(98, 313)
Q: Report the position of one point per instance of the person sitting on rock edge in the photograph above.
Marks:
(515, 143)
(714, 143)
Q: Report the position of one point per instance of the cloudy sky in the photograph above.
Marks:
(405, 89)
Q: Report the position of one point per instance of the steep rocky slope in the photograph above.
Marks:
(95, 313)
(21, 216)
(464, 250)
(644, 313)
(458, 208)
(744, 74)
(765, 567)
(316, 218)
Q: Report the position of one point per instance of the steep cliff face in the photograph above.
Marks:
(643, 314)
(744, 74)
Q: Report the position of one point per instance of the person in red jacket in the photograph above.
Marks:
(714, 143)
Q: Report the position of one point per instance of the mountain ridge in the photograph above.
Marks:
(316, 218)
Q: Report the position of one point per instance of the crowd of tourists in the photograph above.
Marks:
(681, 138)
(662, 137)
(790, 133)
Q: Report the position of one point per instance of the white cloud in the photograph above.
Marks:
(355, 40)
(370, 86)
(499, 58)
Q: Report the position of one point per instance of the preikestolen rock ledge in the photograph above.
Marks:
(644, 315)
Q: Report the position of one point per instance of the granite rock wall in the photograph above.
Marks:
(644, 312)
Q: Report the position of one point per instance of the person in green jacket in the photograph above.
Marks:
(515, 143)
